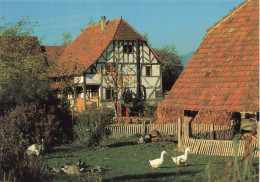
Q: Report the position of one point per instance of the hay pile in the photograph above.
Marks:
(168, 115)
(215, 117)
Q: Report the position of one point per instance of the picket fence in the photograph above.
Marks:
(219, 147)
(198, 146)
(197, 130)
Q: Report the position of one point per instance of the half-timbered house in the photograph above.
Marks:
(112, 57)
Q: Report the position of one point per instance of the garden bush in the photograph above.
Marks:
(90, 126)
(150, 109)
(22, 126)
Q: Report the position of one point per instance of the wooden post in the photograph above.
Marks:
(257, 130)
(211, 131)
(143, 127)
(186, 127)
(74, 104)
(179, 133)
(138, 69)
(84, 92)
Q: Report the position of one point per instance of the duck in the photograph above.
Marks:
(182, 158)
(73, 168)
(157, 162)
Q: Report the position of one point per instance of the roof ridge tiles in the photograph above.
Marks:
(223, 19)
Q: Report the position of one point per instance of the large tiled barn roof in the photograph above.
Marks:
(90, 44)
(223, 74)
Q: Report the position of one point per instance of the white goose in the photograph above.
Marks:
(157, 162)
(182, 158)
(36, 149)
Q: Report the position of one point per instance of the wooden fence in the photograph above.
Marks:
(219, 147)
(126, 130)
(197, 130)
(117, 131)
(197, 145)
(204, 131)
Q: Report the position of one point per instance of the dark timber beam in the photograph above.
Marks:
(138, 68)
(84, 92)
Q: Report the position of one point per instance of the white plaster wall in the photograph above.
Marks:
(93, 79)
(148, 93)
(78, 79)
(156, 70)
(109, 51)
(150, 82)
(129, 69)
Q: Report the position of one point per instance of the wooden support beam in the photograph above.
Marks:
(138, 68)
(211, 131)
(84, 92)
(186, 127)
(179, 134)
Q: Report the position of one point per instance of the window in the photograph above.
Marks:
(148, 70)
(92, 91)
(128, 49)
(110, 94)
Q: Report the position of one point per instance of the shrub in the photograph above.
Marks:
(33, 123)
(150, 109)
(21, 127)
(90, 126)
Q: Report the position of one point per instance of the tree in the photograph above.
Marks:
(29, 109)
(116, 79)
(146, 36)
(23, 70)
(90, 22)
(173, 66)
(66, 74)
(66, 40)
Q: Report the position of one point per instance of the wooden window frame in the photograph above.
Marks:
(93, 91)
(148, 70)
(128, 49)
(111, 94)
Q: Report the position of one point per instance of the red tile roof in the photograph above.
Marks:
(223, 73)
(52, 53)
(90, 44)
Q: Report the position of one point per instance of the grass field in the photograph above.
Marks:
(124, 160)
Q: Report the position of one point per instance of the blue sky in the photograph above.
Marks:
(182, 23)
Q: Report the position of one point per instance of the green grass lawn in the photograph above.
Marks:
(125, 160)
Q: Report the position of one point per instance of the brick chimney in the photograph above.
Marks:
(103, 22)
